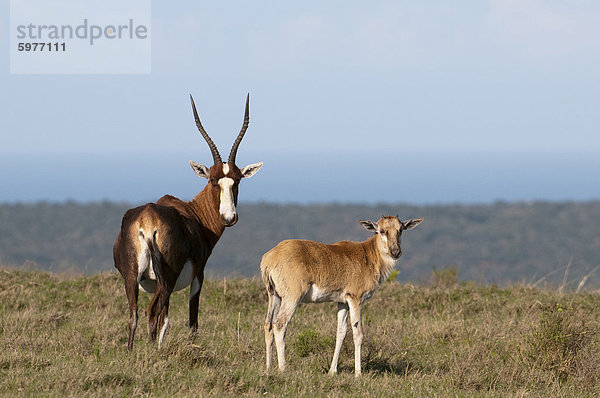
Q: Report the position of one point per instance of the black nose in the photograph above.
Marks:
(230, 221)
(396, 253)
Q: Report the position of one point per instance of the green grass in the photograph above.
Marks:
(67, 336)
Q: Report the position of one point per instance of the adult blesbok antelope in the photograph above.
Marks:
(164, 246)
(345, 272)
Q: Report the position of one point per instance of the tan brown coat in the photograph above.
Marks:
(345, 272)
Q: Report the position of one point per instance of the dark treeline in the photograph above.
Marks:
(498, 243)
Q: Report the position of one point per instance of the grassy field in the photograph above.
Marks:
(67, 336)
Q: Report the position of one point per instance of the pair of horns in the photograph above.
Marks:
(211, 144)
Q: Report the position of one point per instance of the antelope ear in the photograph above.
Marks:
(251, 169)
(410, 224)
(200, 169)
(369, 225)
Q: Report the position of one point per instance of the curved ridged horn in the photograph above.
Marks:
(236, 144)
(211, 144)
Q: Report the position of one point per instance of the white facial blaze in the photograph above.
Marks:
(385, 250)
(226, 206)
(384, 243)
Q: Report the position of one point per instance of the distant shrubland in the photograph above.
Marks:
(497, 243)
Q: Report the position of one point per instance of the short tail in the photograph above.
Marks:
(266, 277)
(157, 259)
(274, 300)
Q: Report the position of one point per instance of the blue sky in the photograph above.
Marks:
(344, 94)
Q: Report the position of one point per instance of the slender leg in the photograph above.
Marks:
(356, 321)
(163, 321)
(152, 316)
(342, 326)
(286, 311)
(195, 289)
(158, 311)
(272, 311)
(132, 290)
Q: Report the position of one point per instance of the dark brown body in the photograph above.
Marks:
(164, 246)
(185, 231)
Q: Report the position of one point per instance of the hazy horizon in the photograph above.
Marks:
(416, 178)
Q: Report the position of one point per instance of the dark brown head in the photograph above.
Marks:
(225, 177)
(389, 230)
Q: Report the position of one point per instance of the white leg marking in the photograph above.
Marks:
(163, 331)
(226, 205)
(280, 345)
(356, 320)
(342, 326)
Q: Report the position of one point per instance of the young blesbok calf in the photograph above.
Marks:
(164, 246)
(345, 272)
